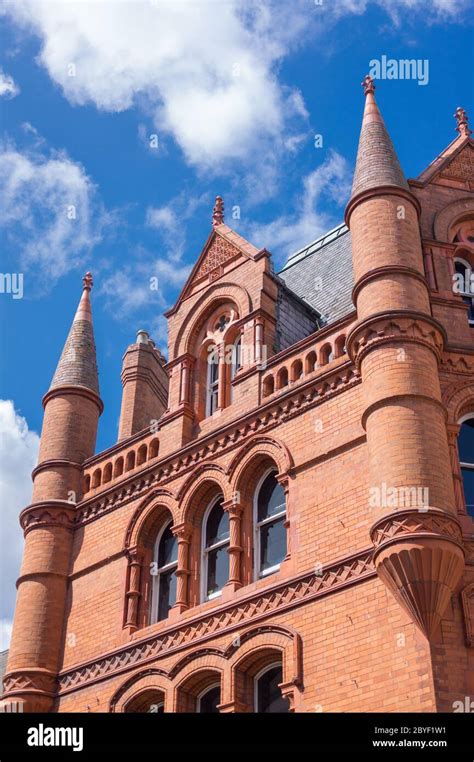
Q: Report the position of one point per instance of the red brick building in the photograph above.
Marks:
(284, 522)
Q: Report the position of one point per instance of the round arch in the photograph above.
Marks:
(140, 684)
(210, 301)
(147, 514)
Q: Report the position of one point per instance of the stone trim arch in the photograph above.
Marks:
(206, 472)
(148, 679)
(458, 400)
(449, 215)
(247, 649)
(259, 445)
(204, 306)
(191, 673)
(141, 516)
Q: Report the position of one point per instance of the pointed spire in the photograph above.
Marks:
(77, 365)
(218, 213)
(377, 163)
(462, 122)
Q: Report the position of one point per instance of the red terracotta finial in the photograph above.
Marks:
(87, 281)
(218, 213)
(462, 122)
(368, 84)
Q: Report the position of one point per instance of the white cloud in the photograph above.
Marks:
(304, 223)
(18, 456)
(49, 210)
(206, 71)
(8, 88)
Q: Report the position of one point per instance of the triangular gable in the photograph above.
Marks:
(456, 163)
(222, 247)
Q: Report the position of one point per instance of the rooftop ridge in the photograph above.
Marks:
(323, 240)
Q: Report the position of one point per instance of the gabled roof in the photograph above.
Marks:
(456, 162)
(222, 246)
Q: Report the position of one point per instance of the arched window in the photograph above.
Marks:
(130, 461)
(270, 530)
(165, 563)
(268, 698)
(466, 458)
(212, 394)
(118, 468)
(215, 560)
(464, 285)
(208, 701)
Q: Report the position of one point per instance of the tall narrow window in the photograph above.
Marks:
(212, 381)
(215, 565)
(270, 515)
(164, 584)
(464, 285)
(268, 698)
(236, 356)
(209, 700)
(466, 458)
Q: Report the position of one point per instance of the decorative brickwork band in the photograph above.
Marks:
(297, 591)
(419, 556)
(50, 513)
(401, 326)
(29, 682)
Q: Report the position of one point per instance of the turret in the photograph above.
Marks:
(396, 344)
(71, 411)
(145, 386)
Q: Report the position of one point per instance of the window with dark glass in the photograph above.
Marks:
(268, 698)
(212, 381)
(466, 458)
(208, 701)
(464, 285)
(270, 525)
(236, 356)
(166, 563)
(215, 555)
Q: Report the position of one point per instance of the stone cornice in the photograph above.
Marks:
(383, 190)
(193, 630)
(80, 391)
(381, 272)
(264, 418)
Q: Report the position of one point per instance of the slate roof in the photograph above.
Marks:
(77, 365)
(377, 163)
(321, 274)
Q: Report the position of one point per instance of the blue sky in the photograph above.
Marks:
(235, 93)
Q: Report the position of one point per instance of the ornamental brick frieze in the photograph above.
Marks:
(387, 327)
(412, 524)
(30, 681)
(50, 513)
(300, 590)
(269, 416)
